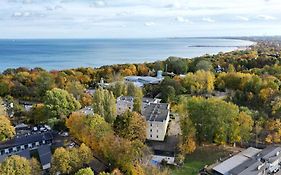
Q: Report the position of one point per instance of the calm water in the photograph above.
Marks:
(63, 54)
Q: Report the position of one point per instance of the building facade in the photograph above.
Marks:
(157, 117)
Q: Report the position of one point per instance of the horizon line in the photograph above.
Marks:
(176, 37)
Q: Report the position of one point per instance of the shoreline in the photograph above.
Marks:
(228, 48)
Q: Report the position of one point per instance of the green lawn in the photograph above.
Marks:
(202, 156)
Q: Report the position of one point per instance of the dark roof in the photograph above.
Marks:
(156, 112)
(45, 154)
(98, 166)
(271, 154)
(167, 147)
(248, 166)
(256, 164)
(24, 153)
(23, 140)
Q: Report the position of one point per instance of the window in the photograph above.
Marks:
(157, 136)
(157, 130)
(150, 124)
(150, 130)
(150, 136)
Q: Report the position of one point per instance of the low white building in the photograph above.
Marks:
(157, 117)
(140, 81)
(251, 161)
(124, 103)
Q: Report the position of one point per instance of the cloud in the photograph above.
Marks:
(17, 14)
(175, 5)
(208, 19)
(149, 23)
(27, 1)
(182, 19)
(99, 3)
(242, 18)
(266, 17)
(166, 16)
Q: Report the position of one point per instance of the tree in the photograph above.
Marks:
(204, 65)
(216, 120)
(70, 160)
(273, 128)
(122, 153)
(2, 108)
(130, 125)
(75, 88)
(85, 171)
(105, 104)
(35, 167)
(38, 114)
(59, 103)
(61, 162)
(90, 130)
(6, 129)
(119, 89)
(15, 165)
(85, 154)
(43, 83)
(188, 135)
(199, 82)
(4, 88)
(168, 94)
(135, 92)
(177, 65)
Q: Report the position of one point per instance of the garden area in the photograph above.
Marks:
(201, 157)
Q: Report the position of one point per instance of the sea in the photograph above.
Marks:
(59, 54)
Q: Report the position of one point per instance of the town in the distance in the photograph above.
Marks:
(210, 115)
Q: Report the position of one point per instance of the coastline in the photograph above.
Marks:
(140, 52)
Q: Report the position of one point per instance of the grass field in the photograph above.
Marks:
(202, 156)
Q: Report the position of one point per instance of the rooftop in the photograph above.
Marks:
(45, 154)
(144, 79)
(236, 160)
(23, 140)
(126, 98)
(249, 162)
(156, 112)
(250, 167)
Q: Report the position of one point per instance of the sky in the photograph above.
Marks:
(138, 18)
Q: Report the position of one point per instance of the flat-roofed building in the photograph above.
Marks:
(226, 166)
(251, 162)
(140, 81)
(157, 117)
